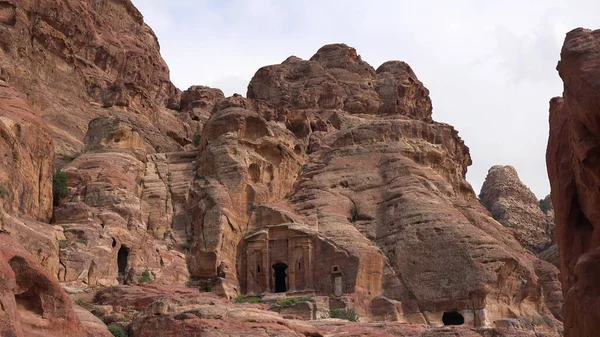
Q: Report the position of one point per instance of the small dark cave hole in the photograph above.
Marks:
(122, 257)
(114, 243)
(453, 318)
(30, 301)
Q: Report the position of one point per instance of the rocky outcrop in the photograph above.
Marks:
(330, 181)
(574, 172)
(173, 311)
(27, 156)
(109, 232)
(309, 185)
(72, 58)
(33, 303)
(515, 206)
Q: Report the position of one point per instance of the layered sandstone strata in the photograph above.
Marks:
(574, 172)
(515, 206)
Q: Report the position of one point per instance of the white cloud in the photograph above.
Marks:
(490, 65)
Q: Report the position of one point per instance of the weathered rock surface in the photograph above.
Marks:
(27, 155)
(32, 302)
(176, 311)
(71, 58)
(331, 181)
(109, 237)
(574, 171)
(308, 176)
(515, 206)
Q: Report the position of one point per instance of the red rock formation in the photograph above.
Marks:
(574, 172)
(33, 303)
(310, 157)
(515, 206)
(27, 155)
(73, 57)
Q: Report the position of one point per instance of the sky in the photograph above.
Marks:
(490, 66)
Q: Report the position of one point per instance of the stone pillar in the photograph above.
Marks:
(308, 266)
(291, 277)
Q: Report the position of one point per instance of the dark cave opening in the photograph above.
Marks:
(122, 258)
(453, 318)
(280, 276)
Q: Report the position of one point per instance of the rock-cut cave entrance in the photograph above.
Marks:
(122, 258)
(280, 276)
(453, 318)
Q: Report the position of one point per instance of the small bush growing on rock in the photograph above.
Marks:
(81, 302)
(545, 205)
(61, 189)
(116, 330)
(186, 246)
(145, 278)
(196, 139)
(286, 302)
(63, 244)
(354, 213)
(3, 192)
(347, 314)
(249, 299)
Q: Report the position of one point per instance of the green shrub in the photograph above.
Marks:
(3, 191)
(81, 302)
(61, 189)
(347, 314)
(286, 302)
(249, 299)
(145, 278)
(83, 241)
(116, 330)
(187, 245)
(354, 213)
(196, 139)
(545, 205)
(63, 244)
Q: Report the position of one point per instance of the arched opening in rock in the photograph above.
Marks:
(280, 277)
(453, 318)
(122, 258)
(254, 172)
(30, 301)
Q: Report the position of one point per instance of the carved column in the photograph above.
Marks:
(309, 268)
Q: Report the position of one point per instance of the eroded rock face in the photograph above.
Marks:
(311, 162)
(173, 311)
(33, 303)
(27, 157)
(574, 173)
(109, 237)
(515, 206)
(74, 57)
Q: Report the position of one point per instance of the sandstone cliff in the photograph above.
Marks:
(330, 181)
(515, 206)
(574, 176)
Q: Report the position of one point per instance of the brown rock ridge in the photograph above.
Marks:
(309, 187)
(515, 206)
(330, 181)
(32, 303)
(176, 311)
(72, 58)
(574, 172)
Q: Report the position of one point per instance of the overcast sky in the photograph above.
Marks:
(489, 65)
